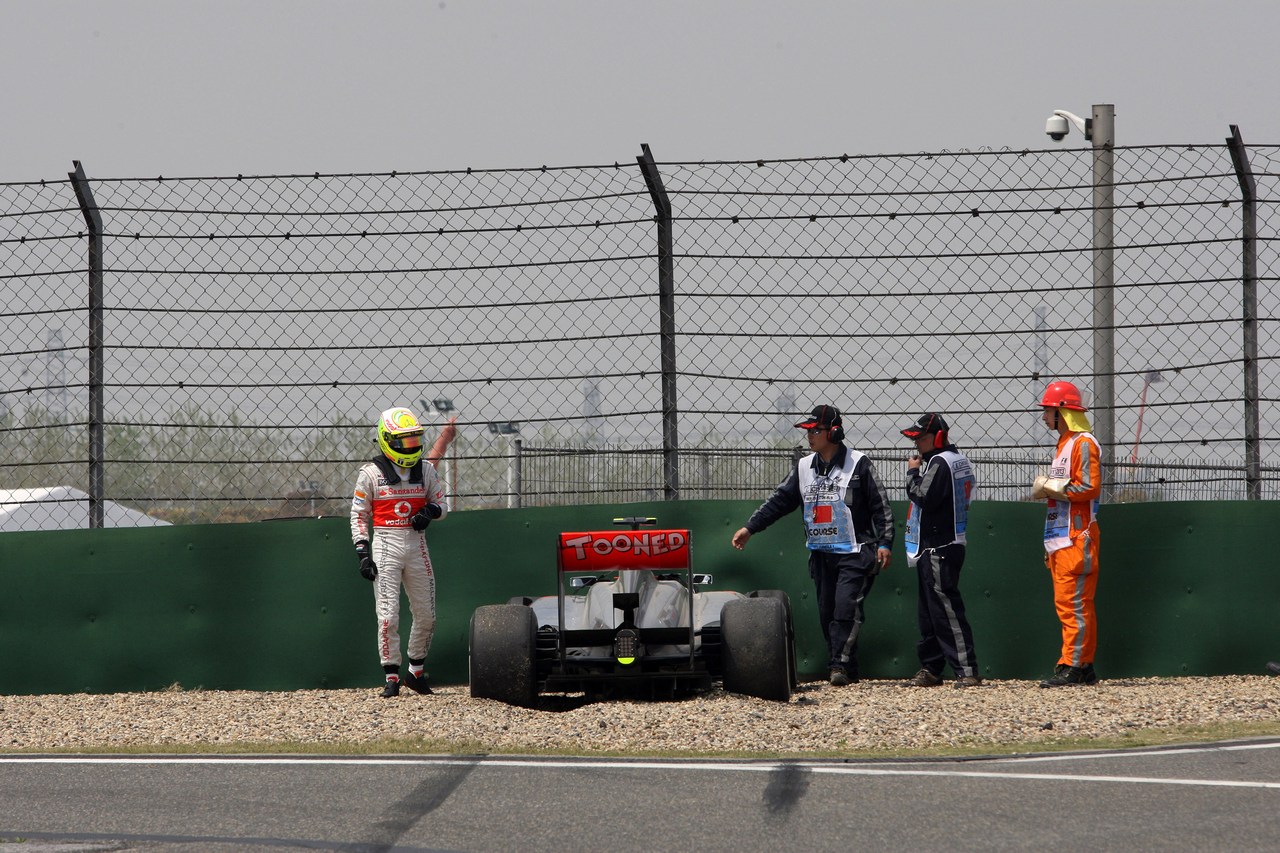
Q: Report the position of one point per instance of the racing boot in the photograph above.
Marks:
(417, 683)
(391, 689)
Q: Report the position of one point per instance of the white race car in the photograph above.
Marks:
(630, 618)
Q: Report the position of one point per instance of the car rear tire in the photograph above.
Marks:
(756, 650)
(791, 630)
(502, 654)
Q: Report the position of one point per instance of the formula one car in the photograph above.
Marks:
(631, 619)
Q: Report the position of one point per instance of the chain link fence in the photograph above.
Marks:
(217, 349)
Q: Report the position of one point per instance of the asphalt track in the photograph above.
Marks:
(1210, 797)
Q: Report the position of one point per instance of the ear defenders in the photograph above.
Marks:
(836, 434)
(939, 439)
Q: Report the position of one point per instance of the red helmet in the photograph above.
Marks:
(1063, 395)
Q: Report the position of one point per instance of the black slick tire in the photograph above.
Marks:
(502, 654)
(756, 651)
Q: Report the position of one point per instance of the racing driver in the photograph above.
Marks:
(397, 495)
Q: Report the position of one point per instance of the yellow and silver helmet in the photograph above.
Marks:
(400, 437)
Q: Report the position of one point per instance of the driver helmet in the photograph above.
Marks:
(400, 437)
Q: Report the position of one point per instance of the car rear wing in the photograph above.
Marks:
(622, 550)
(600, 551)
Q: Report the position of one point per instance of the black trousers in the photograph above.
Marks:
(842, 582)
(945, 635)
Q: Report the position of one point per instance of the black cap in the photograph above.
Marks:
(823, 416)
(926, 423)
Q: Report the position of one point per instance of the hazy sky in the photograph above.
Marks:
(138, 88)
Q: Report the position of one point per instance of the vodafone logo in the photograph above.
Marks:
(401, 509)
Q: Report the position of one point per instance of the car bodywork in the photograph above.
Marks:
(631, 619)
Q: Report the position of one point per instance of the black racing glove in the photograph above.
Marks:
(424, 516)
(368, 569)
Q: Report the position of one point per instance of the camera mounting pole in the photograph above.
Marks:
(1103, 127)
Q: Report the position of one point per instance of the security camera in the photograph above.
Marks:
(1061, 121)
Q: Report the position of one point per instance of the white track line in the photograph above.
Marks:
(1158, 751)
(833, 768)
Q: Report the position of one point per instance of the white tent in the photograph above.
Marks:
(62, 508)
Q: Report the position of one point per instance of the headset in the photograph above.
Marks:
(835, 433)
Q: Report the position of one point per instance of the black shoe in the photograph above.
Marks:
(840, 678)
(417, 683)
(1274, 667)
(1071, 676)
(924, 678)
(392, 688)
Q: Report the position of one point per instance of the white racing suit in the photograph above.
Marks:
(385, 498)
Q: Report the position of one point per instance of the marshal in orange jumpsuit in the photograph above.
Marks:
(1071, 537)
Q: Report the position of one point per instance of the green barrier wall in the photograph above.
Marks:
(1185, 589)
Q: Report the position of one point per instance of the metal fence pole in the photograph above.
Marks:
(1104, 325)
(667, 324)
(1249, 276)
(514, 487)
(93, 218)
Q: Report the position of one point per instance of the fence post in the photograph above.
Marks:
(93, 218)
(667, 324)
(516, 486)
(1104, 314)
(1249, 276)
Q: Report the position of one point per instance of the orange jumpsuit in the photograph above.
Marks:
(1071, 545)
